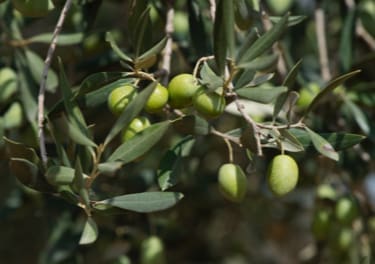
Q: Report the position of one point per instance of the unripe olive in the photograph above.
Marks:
(341, 238)
(157, 100)
(120, 97)
(152, 251)
(282, 174)
(33, 8)
(232, 182)
(182, 89)
(136, 126)
(346, 210)
(208, 104)
(307, 94)
(321, 223)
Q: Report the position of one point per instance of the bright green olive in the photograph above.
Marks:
(208, 104)
(157, 100)
(346, 210)
(137, 125)
(120, 97)
(307, 94)
(279, 7)
(33, 8)
(232, 182)
(152, 251)
(182, 89)
(282, 174)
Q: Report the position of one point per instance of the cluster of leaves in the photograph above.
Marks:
(242, 66)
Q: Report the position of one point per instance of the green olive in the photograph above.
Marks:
(182, 89)
(120, 97)
(152, 251)
(157, 100)
(346, 210)
(282, 174)
(137, 125)
(208, 104)
(232, 182)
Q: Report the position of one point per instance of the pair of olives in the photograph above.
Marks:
(282, 178)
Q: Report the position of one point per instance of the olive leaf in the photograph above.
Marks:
(322, 145)
(89, 233)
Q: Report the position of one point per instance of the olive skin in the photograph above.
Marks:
(120, 97)
(157, 100)
(209, 105)
(181, 90)
(232, 182)
(282, 175)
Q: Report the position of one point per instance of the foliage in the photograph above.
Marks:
(253, 59)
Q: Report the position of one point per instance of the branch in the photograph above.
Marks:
(167, 56)
(42, 88)
(322, 43)
(212, 9)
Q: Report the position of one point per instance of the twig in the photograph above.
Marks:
(42, 88)
(167, 56)
(212, 9)
(322, 43)
(277, 48)
(226, 136)
(362, 32)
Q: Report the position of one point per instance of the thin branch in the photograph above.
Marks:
(212, 9)
(362, 33)
(322, 43)
(42, 88)
(167, 56)
(226, 136)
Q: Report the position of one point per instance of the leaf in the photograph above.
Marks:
(346, 40)
(109, 168)
(62, 40)
(109, 38)
(29, 174)
(322, 145)
(192, 124)
(358, 115)
(288, 82)
(329, 88)
(339, 141)
(145, 202)
(264, 42)
(78, 137)
(140, 29)
(261, 63)
(170, 165)
(19, 150)
(263, 95)
(243, 78)
(13, 117)
(290, 142)
(197, 29)
(79, 183)
(8, 85)
(140, 143)
(209, 78)
(89, 233)
(130, 112)
(292, 20)
(246, 44)
(153, 52)
(36, 66)
(223, 33)
(60, 175)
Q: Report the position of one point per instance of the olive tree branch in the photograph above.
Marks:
(322, 43)
(167, 55)
(42, 87)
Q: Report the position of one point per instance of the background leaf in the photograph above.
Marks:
(262, 94)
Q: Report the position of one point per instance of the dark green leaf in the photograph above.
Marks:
(170, 165)
(146, 202)
(264, 42)
(251, 37)
(263, 95)
(130, 112)
(79, 183)
(109, 38)
(140, 31)
(209, 78)
(60, 175)
(223, 33)
(339, 141)
(36, 66)
(329, 88)
(29, 174)
(261, 63)
(358, 115)
(77, 136)
(140, 143)
(292, 75)
(197, 28)
(346, 41)
(63, 39)
(89, 233)
(322, 145)
(153, 52)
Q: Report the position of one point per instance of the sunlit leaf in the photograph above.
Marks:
(146, 202)
(261, 63)
(322, 145)
(263, 95)
(89, 233)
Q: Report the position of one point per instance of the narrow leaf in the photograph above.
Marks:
(60, 175)
(146, 202)
(62, 40)
(154, 51)
(322, 145)
(329, 88)
(197, 28)
(261, 63)
(140, 143)
(292, 20)
(19, 150)
(89, 233)
(78, 137)
(346, 40)
(265, 42)
(109, 38)
(209, 78)
(358, 115)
